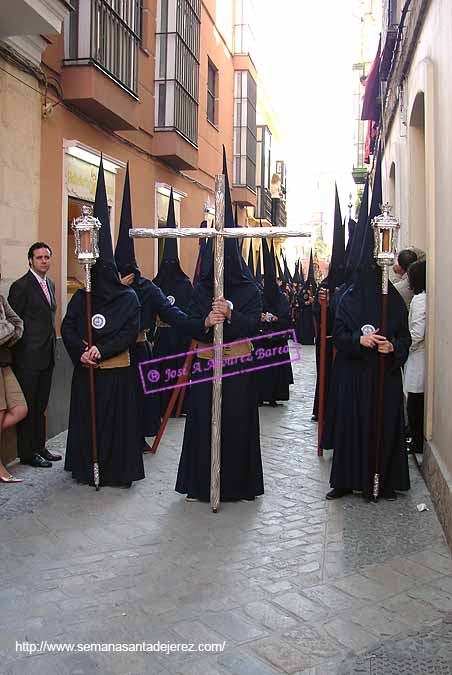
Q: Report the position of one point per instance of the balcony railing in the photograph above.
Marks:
(388, 36)
(263, 203)
(177, 67)
(263, 208)
(107, 33)
(410, 26)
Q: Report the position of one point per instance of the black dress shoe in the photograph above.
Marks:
(49, 456)
(335, 493)
(314, 418)
(38, 461)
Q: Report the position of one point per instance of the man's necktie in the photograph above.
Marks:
(45, 290)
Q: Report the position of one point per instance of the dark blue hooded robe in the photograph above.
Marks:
(116, 316)
(241, 464)
(305, 320)
(273, 382)
(178, 288)
(334, 280)
(350, 425)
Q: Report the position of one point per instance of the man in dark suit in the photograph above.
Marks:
(33, 298)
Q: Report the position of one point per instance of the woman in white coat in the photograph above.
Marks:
(415, 365)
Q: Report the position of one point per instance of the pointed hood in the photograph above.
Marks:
(102, 213)
(351, 231)
(258, 274)
(302, 280)
(354, 249)
(271, 290)
(296, 274)
(337, 263)
(367, 250)
(229, 220)
(106, 284)
(251, 258)
(310, 281)
(202, 243)
(170, 277)
(279, 272)
(170, 247)
(236, 224)
(287, 274)
(125, 249)
(236, 272)
(115, 304)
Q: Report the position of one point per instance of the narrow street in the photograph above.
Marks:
(290, 583)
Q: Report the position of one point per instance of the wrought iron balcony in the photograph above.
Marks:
(107, 33)
(388, 36)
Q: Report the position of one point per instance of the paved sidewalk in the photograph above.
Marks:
(290, 583)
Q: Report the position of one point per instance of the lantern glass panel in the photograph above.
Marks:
(85, 242)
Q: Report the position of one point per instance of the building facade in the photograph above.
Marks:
(159, 84)
(417, 171)
(367, 19)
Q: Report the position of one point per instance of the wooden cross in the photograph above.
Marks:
(218, 234)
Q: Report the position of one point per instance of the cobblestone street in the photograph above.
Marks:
(291, 583)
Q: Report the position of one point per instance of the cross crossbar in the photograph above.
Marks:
(219, 233)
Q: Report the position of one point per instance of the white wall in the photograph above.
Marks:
(20, 161)
(432, 203)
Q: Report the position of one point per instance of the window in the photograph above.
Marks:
(212, 74)
(245, 17)
(245, 94)
(107, 33)
(263, 177)
(360, 127)
(162, 193)
(177, 67)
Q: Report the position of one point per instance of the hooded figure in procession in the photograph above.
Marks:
(178, 288)
(273, 382)
(350, 429)
(328, 287)
(352, 262)
(240, 310)
(149, 411)
(258, 274)
(305, 321)
(154, 303)
(116, 323)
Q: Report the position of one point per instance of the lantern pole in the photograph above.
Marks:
(86, 229)
(386, 229)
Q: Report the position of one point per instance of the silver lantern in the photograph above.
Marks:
(386, 231)
(86, 232)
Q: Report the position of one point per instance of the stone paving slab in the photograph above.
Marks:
(287, 584)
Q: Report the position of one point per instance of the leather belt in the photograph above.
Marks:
(161, 324)
(230, 351)
(121, 360)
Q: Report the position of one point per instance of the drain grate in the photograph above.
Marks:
(428, 652)
(410, 664)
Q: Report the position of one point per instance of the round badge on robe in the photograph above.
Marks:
(367, 329)
(171, 299)
(98, 321)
